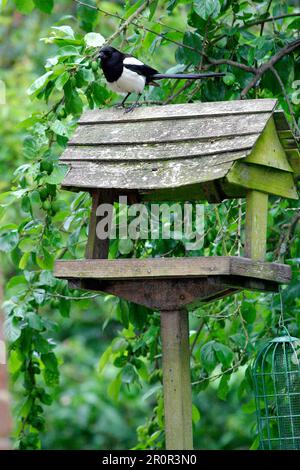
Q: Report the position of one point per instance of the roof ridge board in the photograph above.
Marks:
(269, 102)
(170, 118)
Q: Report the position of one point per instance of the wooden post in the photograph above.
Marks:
(177, 380)
(256, 225)
(98, 249)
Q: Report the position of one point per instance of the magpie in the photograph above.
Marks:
(125, 74)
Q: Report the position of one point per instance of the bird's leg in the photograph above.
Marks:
(121, 105)
(134, 105)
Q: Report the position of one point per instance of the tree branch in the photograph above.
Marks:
(296, 128)
(258, 22)
(269, 64)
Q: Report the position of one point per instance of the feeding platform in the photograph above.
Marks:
(181, 152)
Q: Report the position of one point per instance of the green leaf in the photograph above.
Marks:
(125, 246)
(248, 311)
(12, 331)
(224, 354)
(8, 239)
(64, 307)
(51, 377)
(195, 414)
(87, 15)
(14, 361)
(208, 356)
(42, 345)
(152, 8)
(114, 387)
(39, 83)
(129, 374)
(16, 281)
(46, 261)
(24, 6)
(100, 94)
(35, 321)
(50, 361)
(24, 260)
(27, 245)
(229, 79)
(46, 6)
(94, 40)
(104, 359)
(223, 388)
(206, 9)
(59, 128)
(73, 103)
(63, 32)
(132, 8)
(62, 80)
(57, 174)
(295, 24)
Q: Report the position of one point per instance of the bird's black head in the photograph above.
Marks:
(107, 53)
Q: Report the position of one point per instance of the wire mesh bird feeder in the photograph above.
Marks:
(276, 374)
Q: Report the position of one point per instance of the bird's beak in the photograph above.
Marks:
(101, 55)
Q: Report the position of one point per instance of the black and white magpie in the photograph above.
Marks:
(125, 74)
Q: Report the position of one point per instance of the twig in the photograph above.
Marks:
(264, 21)
(230, 62)
(68, 297)
(187, 84)
(256, 23)
(296, 128)
(217, 376)
(129, 21)
(197, 336)
(286, 235)
(290, 47)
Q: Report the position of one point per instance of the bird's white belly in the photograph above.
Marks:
(129, 82)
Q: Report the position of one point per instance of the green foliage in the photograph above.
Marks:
(45, 321)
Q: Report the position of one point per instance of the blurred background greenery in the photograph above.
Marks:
(91, 410)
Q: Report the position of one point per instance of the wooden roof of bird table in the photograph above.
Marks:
(211, 150)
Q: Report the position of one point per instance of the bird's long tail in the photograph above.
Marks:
(186, 76)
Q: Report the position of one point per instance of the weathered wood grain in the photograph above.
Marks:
(177, 380)
(280, 120)
(162, 268)
(179, 111)
(96, 248)
(160, 151)
(167, 294)
(142, 175)
(265, 179)
(256, 225)
(169, 130)
(280, 273)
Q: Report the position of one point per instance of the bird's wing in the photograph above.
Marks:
(139, 67)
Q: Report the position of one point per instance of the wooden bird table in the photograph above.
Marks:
(199, 151)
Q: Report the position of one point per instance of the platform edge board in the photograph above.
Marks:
(166, 268)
